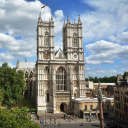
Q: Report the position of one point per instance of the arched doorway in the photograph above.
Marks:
(63, 107)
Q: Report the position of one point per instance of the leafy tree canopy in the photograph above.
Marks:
(12, 84)
(1, 96)
(111, 79)
(125, 74)
(16, 118)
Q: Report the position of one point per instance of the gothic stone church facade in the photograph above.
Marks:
(58, 77)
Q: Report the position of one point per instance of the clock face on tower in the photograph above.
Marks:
(75, 56)
(46, 55)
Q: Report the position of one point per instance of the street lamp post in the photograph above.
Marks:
(45, 118)
(99, 96)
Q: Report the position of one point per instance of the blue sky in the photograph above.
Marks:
(105, 31)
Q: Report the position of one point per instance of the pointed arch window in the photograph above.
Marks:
(31, 74)
(46, 39)
(61, 79)
(91, 107)
(85, 107)
(26, 74)
(75, 73)
(46, 72)
(46, 96)
(74, 40)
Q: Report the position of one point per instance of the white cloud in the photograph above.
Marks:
(4, 57)
(58, 47)
(109, 17)
(120, 38)
(59, 14)
(9, 64)
(100, 72)
(124, 62)
(104, 51)
(19, 18)
(58, 19)
(17, 47)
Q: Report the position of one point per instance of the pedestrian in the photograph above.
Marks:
(82, 124)
(50, 118)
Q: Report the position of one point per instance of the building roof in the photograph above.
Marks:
(104, 84)
(26, 65)
(93, 99)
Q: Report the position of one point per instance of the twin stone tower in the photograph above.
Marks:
(58, 77)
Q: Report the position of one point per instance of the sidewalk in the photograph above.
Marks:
(62, 121)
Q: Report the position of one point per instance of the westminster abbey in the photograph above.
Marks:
(57, 78)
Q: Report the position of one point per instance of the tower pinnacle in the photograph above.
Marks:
(51, 17)
(74, 21)
(68, 18)
(64, 23)
(39, 19)
(79, 20)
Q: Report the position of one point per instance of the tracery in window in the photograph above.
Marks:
(31, 74)
(74, 73)
(46, 72)
(61, 79)
(46, 96)
(74, 40)
(26, 74)
(46, 39)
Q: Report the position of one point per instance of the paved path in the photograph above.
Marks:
(72, 124)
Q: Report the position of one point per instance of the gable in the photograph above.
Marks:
(60, 55)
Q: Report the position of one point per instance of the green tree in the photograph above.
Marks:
(96, 80)
(113, 79)
(86, 79)
(1, 96)
(12, 83)
(16, 118)
(125, 74)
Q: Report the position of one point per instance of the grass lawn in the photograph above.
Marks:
(25, 103)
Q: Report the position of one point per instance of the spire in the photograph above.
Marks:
(40, 15)
(79, 21)
(25, 60)
(74, 21)
(51, 17)
(68, 18)
(59, 47)
(39, 19)
(17, 65)
(64, 22)
(17, 60)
